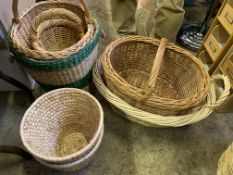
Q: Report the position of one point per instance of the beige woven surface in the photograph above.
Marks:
(225, 163)
(182, 82)
(66, 76)
(154, 120)
(56, 29)
(78, 164)
(50, 120)
(21, 29)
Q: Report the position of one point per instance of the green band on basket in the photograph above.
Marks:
(57, 65)
(82, 83)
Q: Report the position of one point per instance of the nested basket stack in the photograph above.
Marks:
(63, 129)
(155, 85)
(56, 43)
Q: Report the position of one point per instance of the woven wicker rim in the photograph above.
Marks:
(155, 120)
(76, 162)
(71, 156)
(56, 64)
(50, 55)
(170, 46)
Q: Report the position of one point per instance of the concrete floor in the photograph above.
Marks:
(128, 148)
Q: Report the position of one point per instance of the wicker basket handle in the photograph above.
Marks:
(16, 11)
(155, 69)
(46, 15)
(224, 94)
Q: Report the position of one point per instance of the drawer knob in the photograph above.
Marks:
(212, 47)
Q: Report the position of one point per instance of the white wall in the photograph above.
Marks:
(6, 10)
(12, 70)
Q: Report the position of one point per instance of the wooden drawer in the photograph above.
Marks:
(227, 67)
(216, 41)
(206, 60)
(226, 17)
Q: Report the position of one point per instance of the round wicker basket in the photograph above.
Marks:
(154, 120)
(65, 69)
(62, 126)
(161, 79)
(22, 30)
(56, 30)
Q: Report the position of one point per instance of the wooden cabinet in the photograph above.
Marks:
(219, 38)
(226, 17)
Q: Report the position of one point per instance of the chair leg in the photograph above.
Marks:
(15, 150)
(18, 85)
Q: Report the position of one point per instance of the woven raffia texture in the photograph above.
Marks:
(145, 118)
(225, 163)
(77, 164)
(182, 82)
(62, 126)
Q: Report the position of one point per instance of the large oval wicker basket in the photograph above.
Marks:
(62, 126)
(145, 118)
(70, 68)
(225, 163)
(165, 80)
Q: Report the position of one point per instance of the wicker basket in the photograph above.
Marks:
(78, 164)
(62, 126)
(225, 163)
(71, 71)
(154, 120)
(165, 85)
(56, 30)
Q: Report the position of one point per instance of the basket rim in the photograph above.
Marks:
(14, 29)
(155, 120)
(79, 161)
(73, 155)
(108, 69)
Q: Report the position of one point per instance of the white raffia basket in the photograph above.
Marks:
(62, 126)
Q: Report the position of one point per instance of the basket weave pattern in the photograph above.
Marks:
(182, 82)
(51, 127)
(68, 67)
(225, 163)
(155, 120)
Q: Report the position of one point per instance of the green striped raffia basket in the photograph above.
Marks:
(71, 71)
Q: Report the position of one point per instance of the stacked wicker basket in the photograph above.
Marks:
(63, 129)
(56, 43)
(156, 84)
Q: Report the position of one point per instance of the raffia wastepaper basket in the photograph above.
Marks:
(62, 127)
